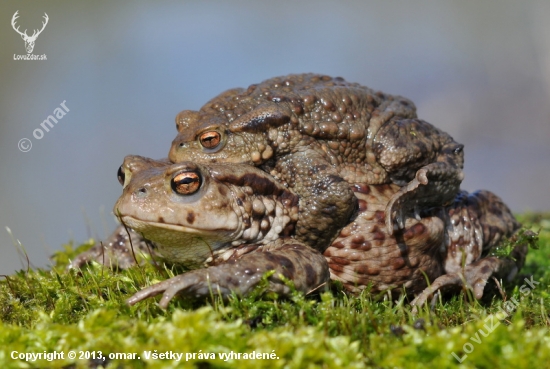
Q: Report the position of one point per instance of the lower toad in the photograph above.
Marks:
(234, 223)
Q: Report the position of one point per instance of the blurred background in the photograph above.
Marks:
(478, 70)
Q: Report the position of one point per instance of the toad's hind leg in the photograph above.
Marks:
(474, 276)
(427, 162)
(476, 223)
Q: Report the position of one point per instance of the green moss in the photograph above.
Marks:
(60, 310)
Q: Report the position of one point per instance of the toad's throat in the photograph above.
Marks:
(190, 247)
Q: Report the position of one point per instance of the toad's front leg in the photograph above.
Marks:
(304, 266)
(326, 200)
(427, 162)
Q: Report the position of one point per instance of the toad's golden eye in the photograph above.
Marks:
(121, 176)
(210, 140)
(186, 183)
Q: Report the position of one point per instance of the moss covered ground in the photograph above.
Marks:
(83, 312)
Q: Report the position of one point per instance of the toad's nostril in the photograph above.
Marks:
(140, 192)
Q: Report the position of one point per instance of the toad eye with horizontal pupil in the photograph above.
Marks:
(121, 176)
(186, 183)
(210, 140)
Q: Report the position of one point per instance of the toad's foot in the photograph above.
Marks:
(475, 276)
(115, 251)
(435, 184)
(304, 266)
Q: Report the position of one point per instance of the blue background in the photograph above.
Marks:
(478, 70)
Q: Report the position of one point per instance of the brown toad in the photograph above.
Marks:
(236, 221)
(318, 135)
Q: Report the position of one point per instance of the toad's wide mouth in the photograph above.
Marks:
(186, 246)
(140, 225)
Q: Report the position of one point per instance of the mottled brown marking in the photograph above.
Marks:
(358, 238)
(380, 216)
(345, 232)
(311, 276)
(377, 234)
(357, 241)
(222, 190)
(419, 228)
(339, 260)
(334, 179)
(338, 244)
(309, 100)
(361, 188)
(362, 204)
(260, 184)
(365, 246)
(284, 262)
(366, 270)
(288, 230)
(335, 267)
(190, 217)
(386, 189)
(414, 231)
(229, 280)
(397, 263)
(262, 122)
(288, 268)
(485, 269)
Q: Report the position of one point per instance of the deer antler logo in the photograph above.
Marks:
(29, 40)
